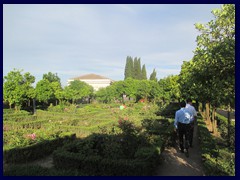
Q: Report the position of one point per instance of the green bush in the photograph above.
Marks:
(35, 151)
(216, 161)
(223, 129)
(144, 163)
(36, 170)
(156, 126)
(127, 153)
(169, 110)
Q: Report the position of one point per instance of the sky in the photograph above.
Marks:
(74, 40)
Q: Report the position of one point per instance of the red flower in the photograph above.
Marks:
(32, 136)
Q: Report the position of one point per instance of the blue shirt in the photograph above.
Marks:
(192, 110)
(183, 116)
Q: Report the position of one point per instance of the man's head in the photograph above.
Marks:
(189, 101)
(182, 104)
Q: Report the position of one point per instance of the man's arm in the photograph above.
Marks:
(176, 121)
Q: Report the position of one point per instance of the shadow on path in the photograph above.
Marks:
(175, 163)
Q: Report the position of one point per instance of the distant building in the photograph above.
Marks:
(96, 81)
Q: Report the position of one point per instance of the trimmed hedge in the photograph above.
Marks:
(35, 151)
(145, 162)
(131, 152)
(36, 170)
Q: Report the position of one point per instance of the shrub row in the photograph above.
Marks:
(35, 151)
(129, 153)
(36, 170)
(144, 164)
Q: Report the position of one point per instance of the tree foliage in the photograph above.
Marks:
(169, 88)
(153, 76)
(210, 75)
(44, 91)
(134, 70)
(51, 77)
(128, 68)
(78, 90)
(17, 88)
(144, 72)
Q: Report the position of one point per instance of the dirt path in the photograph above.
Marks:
(175, 163)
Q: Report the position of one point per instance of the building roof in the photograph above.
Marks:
(90, 76)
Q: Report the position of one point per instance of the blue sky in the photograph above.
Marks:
(73, 40)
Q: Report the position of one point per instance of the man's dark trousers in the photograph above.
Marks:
(184, 131)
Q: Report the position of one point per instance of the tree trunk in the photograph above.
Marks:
(207, 112)
(17, 108)
(214, 123)
(34, 106)
(208, 115)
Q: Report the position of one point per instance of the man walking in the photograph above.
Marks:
(182, 125)
(193, 112)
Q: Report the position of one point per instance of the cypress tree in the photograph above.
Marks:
(153, 76)
(144, 72)
(139, 70)
(131, 66)
(128, 70)
(133, 69)
(135, 66)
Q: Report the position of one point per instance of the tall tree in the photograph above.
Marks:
(139, 76)
(57, 91)
(144, 72)
(55, 83)
(153, 76)
(212, 69)
(169, 88)
(137, 68)
(44, 91)
(144, 89)
(128, 68)
(17, 88)
(30, 91)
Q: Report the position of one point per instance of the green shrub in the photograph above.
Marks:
(216, 161)
(169, 110)
(17, 170)
(127, 153)
(223, 129)
(36, 170)
(35, 151)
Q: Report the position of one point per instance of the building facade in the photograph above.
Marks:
(94, 80)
